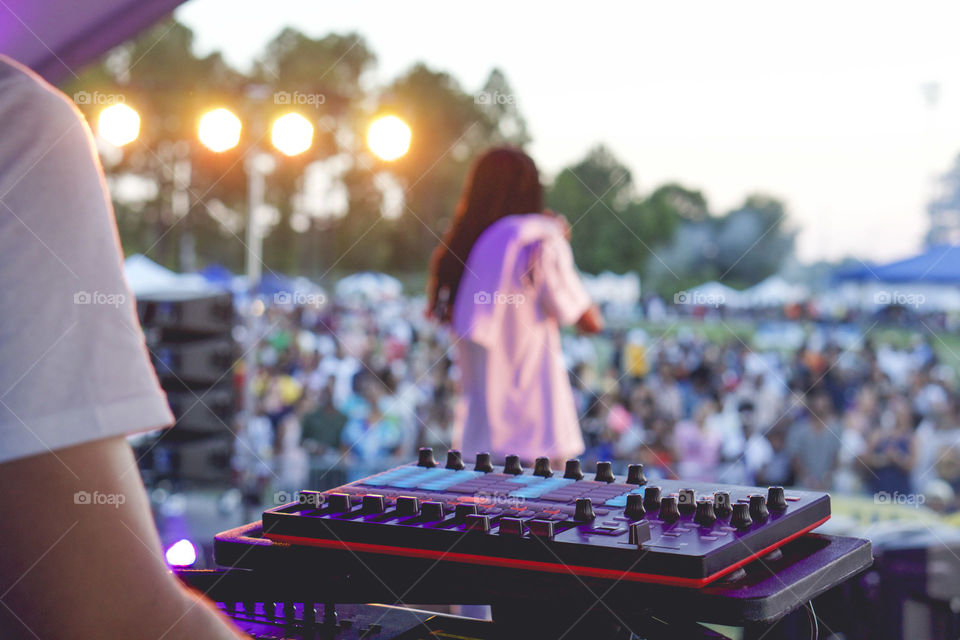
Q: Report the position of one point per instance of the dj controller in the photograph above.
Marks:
(608, 527)
(556, 553)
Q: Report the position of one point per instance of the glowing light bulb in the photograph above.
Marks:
(292, 134)
(388, 137)
(219, 130)
(118, 124)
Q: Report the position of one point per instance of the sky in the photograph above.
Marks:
(820, 104)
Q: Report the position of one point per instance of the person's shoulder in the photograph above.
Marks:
(30, 99)
(524, 227)
(36, 119)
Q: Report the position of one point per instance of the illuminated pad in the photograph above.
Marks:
(533, 523)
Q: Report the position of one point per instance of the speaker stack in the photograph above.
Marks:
(189, 337)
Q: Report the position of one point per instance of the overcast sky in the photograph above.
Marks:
(820, 104)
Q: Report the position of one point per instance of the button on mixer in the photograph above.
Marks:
(639, 532)
(465, 509)
(758, 508)
(651, 498)
(584, 510)
(776, 499)
(705, 517)
(511, 526)
(668, 509)
(604, 472)
(454, 460)
(635, 475)
(408, 506)
(425, 458)
(542, 468)
(475, 522)
(686, 501)
(432, 511)
(572, 470)
(741, 516)
(721, 504)
(372, 503)
(483, 463)
(541, 528)
(338, 502)
(512, 466)
(635, 509)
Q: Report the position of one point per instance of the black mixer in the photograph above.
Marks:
(556, 553)
(673, 532)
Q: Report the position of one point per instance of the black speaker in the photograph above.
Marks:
(177, 316)
(190, 340)
(195, 364)
(202, 412)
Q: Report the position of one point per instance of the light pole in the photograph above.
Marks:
(256, 170)
(291, 134)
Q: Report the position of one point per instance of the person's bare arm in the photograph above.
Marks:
(71, 567)
(591, 321)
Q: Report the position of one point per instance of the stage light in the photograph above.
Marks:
(219, 130)
(118, 124)
(292, 134)
(181, 554)
(388, 137)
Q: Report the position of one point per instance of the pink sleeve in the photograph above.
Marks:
(560, 287)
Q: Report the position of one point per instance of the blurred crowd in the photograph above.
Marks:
(345, 391)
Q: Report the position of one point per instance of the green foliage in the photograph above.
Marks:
(670, 237)
(739, 249)
(612, 229)
(450, 131)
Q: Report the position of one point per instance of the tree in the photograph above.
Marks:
(450, 131)
(611, 228)
(674, 199)
(497, 101)
(319, 78)
(752, 240)
(740, 248)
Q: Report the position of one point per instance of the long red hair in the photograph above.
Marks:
(503, 181)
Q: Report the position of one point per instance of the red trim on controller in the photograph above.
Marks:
(534, 565)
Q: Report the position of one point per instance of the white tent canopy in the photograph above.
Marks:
(369, 286)
(145, 277)
(775, 291)
(612, 288)
(710, 294)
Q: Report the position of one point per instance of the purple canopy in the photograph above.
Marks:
(55, 38)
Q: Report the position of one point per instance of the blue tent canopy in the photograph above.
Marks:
(271, 284)
(217, 274)
(864, 271)
(937, 265)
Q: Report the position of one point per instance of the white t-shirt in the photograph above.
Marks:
(519, 286)
(73, 364)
